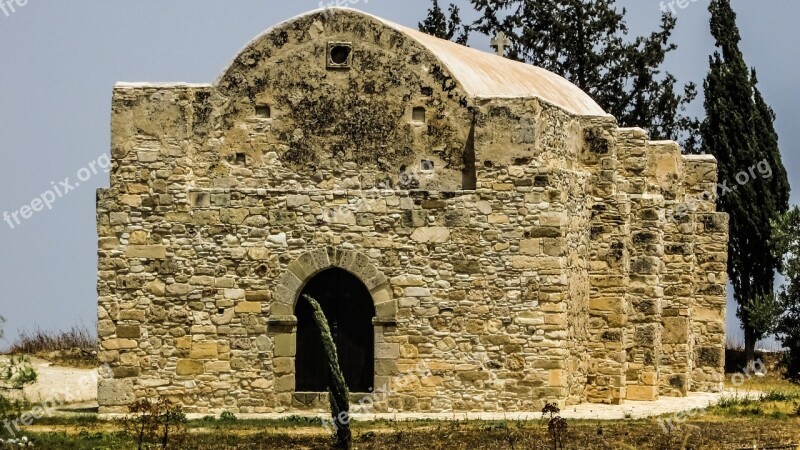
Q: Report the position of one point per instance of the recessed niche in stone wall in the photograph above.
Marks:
(340, 55)
(264, 112)
(418, 114)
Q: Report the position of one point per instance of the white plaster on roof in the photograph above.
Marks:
(480, 74)
(486, 75)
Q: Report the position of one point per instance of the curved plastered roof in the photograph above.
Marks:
(486, 75)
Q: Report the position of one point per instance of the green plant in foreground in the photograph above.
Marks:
(17, 371)
(337, 388)
(227, 416)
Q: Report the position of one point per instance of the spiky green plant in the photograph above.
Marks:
(337, 388)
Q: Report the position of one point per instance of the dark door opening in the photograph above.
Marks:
(347, 304)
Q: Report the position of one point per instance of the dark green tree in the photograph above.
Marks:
(586, 41)
(739, 130)
(337, 388)
(787, 246)
(440, 25)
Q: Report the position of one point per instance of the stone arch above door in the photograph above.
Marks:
(301, 270)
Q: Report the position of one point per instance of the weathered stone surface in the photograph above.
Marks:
(189, 367)
(432, 234)
(115, 392)
(147, 251)
(128, 332)
(203, 350)
(248, 307)
(514, 249)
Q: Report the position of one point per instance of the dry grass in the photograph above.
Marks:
(76, 347)
(709, 432)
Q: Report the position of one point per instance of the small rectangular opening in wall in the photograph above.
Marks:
(418, 114)
(340, 55)
(240, 159)
(264, 112)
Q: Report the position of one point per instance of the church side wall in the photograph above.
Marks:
(486, 288)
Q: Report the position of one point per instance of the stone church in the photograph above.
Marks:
(481, 234)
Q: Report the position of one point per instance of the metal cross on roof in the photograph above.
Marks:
(500, 42)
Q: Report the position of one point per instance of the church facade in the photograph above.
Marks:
(481, 234)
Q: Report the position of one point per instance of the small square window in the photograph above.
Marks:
(263, 112)
(418, 114)
(241, 159)
(340, 55)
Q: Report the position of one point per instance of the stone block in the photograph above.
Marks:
(675, 330)
(155, 287)
(385, 367)
(179, 289)
(118, 218)
(203, 350)
(108, 243)
(115, 392)
(431, 235)
(530, 246)
(263, 344)
(234, 294)
(642, 393)
(120, 344)
(146, 251)
(417, 292)
(387, 351)
(217, 366)
(282, 366)
(285, 344)
(137, 315)
(248, 307)
(614, 305)
(473, 375)
(544, 232)
(386, 310)
(184, 343)
(189, 367)
(284, 383)
(128, 332)
(258, 253)
(498, 218)
(556, 378)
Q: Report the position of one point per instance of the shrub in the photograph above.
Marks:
(227, 416)
(156, 422)
(15, 373)
(556, 425)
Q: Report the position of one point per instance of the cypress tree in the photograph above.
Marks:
(739, 131)
(444, 27)
(337, 388)
(787, 246)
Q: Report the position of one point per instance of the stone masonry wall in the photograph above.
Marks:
(564, 275)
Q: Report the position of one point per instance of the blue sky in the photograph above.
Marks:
(60, 61)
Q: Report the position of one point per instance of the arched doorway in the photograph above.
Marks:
(349, 309)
